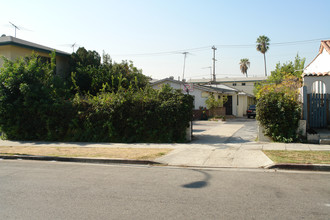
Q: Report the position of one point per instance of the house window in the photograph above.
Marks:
(205, 94)
(243, 84)
(234, 84)
(44, 59)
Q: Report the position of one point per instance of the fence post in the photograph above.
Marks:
(305, 110)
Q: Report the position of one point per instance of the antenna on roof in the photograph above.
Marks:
(71, 45)
(14, 27)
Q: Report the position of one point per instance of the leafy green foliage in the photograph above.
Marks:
(146, 115)
(89, 75)
(32, 100)
(262, 44)
(244, 65)
(278, 109)
(288, 69)
(212, 102)
(283, 71)
(111, 103)
(263, 47)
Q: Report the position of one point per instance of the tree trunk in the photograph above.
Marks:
(265, 64)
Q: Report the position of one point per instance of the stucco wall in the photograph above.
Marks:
(248, 88)
(320, 64)
(309, 80)
(199, 96)
(13, 52)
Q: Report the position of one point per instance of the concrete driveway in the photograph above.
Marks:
(228, 143)
(239, 130)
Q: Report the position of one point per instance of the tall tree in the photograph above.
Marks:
(244, 65)
(262, 47)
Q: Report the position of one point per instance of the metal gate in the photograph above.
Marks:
(318, 107)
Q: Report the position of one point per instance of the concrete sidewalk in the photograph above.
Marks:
(248, 155)
(216, 144)
(232, 155)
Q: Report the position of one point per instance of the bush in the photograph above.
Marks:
(35, 104)
(279, 111)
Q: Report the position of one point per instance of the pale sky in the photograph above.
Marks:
(153, 33)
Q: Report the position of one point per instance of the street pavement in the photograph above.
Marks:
(230, 143)
(51, 190)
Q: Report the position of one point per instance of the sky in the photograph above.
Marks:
(154, 33)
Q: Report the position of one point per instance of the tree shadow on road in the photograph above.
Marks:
(199, 184)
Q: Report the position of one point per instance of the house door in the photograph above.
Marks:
(229, 105)
(318, 106)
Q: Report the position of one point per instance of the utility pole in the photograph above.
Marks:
(214, 49)
(184, 63)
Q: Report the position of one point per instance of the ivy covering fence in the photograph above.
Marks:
(108, 102)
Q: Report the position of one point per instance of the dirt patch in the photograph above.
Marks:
(93, 152)
(299, 157)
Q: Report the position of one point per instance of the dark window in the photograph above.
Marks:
(243, 84)
(234, 84)
(44, 59)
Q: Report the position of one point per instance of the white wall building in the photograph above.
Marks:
(244, 84)
(236, 105)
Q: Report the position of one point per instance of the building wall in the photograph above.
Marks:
(14, 52)
(199, 96)
(320, 64)
(238, 108)
(242, 105)
(247, 88)
(309, 80)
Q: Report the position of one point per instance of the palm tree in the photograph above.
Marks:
(262, 47)
(244, 65)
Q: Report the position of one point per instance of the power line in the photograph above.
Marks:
(164, 53)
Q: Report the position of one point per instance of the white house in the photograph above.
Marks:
(237, 101)
(319, 70)
(316, 78)
(244, 84)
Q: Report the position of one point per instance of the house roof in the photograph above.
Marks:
(9, 40)
(154, 82)
(317, 74)
(325, 44)
(219, 88)
(233, 79)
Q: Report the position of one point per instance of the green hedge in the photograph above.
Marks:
(279, 111)
(144, 116)
(35, 104)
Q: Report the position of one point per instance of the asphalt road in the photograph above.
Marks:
(53, 190)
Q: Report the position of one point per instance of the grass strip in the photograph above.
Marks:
(92, 152)
(299, 157)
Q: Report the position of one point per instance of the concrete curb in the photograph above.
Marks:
(310, 167)
(80, 160)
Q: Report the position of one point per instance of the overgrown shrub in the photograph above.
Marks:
(278, 109)
(36, 104)
(126, 116)
(33, 102)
